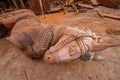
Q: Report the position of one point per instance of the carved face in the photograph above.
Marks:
(69, 52)
(72, 50)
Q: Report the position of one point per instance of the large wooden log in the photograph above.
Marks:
(110, 3)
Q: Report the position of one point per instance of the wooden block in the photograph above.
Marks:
(85, 6)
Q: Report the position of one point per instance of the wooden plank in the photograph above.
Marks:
(111, 16)
(85, 6)
(101, 14)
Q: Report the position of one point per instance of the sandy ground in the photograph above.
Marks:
(16, 66)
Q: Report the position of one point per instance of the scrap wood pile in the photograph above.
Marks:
(71, 5)
(82, 5)
(51, 6)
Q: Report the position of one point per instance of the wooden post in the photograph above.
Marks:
(41, 5)
(46, 5)
(36, 7)
(15, 4)
(22, 4)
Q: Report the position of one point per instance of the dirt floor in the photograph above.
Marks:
(16, 66)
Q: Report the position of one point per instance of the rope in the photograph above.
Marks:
(67, 41)
(45, 40)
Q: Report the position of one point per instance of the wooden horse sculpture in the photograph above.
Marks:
(60, 44)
